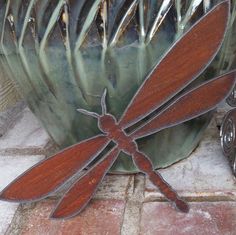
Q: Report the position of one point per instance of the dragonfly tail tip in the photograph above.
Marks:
(182, 206)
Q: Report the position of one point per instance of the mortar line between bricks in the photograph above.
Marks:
(131, 220)
(196, 199)
(126, 201)
(15, 225)
(47, 150)
(141, 205)
(25, 151)
(140, 217)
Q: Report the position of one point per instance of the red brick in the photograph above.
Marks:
(100, 217)
(218, 218)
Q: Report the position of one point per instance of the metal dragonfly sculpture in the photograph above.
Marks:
(179, 67)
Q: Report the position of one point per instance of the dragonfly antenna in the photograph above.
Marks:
(103, 102)
(88, 113)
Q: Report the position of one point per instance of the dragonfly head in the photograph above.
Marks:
(107, 123)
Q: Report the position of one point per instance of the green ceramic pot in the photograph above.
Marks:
(63, 53)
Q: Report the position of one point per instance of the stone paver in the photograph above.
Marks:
(112, 186)
(206, 173)
(101, 217)
(27, 134)
(211, 218)
(10, 168)
(7, 212)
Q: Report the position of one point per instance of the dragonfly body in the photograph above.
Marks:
(109, 126)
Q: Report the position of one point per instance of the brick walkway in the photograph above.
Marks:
(124, 204)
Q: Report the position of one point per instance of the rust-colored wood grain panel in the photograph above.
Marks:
(190, 105)
(49, 174)
(186, 59)
(82, 191)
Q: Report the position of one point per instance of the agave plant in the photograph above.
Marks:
(62, 53)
